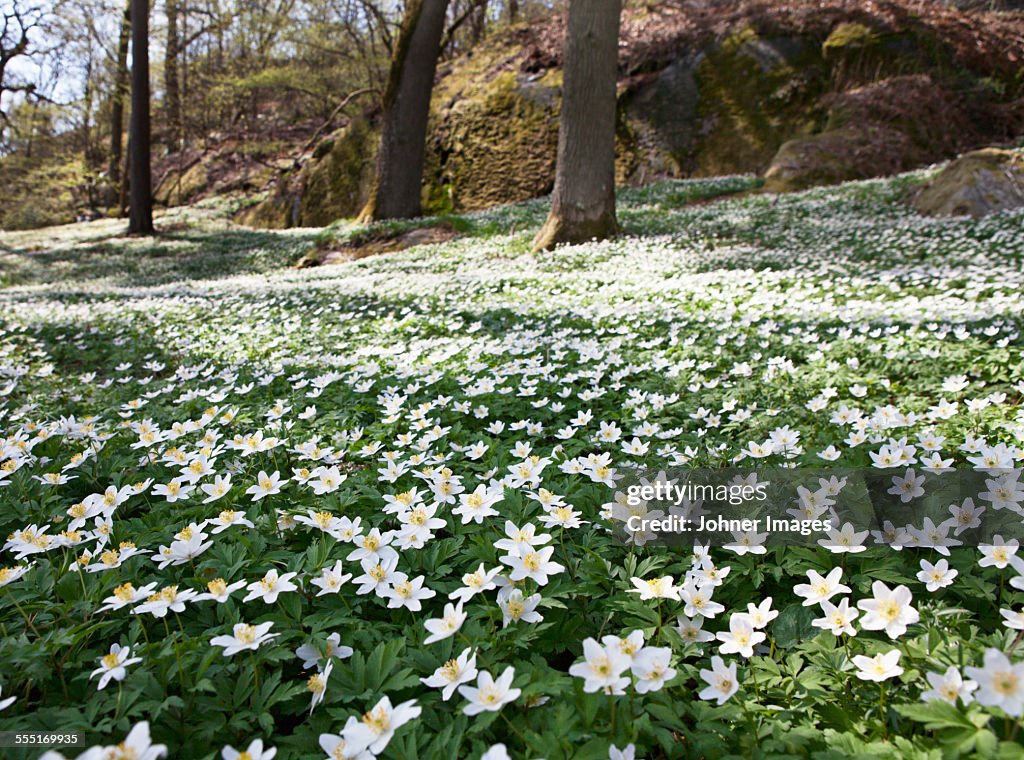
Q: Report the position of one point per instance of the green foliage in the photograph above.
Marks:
(841, 283)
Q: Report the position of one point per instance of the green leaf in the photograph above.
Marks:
(936, 714)
(792, 626)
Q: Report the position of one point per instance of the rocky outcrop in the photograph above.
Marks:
(332, 184)
(804, 93)
(879, 129)
(181, 184)
(976, 184)
(724, 109)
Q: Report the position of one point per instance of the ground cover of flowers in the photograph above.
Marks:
(364, 510)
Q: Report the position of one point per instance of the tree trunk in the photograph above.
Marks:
(396, 187)
(122, 195)
(478, 23)
(513, 11)
(183, 73)
(140, 218)
(117, 100)
(172, 93)
(88, 155)
(583, 200)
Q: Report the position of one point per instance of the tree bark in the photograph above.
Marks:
(583, 200)
(117, 100)
(478, 23)
(88, 155)
(399, 176)
(172, 92)
(140, 217)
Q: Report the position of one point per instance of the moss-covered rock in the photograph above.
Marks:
(332, 184)
(875, 130)
(857, 53)
(493, 139)
(273, 213)
(179, 186)
(978, 183)
(754, 94)
(337, 184)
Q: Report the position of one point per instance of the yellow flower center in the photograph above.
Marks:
(451, 670)
(1006, 683)
(889, 610)
(246, 634)
(489, 695)
(125, 592)
(122, 752)
(377, 720)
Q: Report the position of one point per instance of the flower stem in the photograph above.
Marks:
(515, 730)
(117, 710)
(881, 708)
(24, 615)
(256, 677)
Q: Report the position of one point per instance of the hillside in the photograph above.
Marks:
(805, 93)
(800, 93)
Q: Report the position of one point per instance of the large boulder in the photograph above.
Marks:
(493, 138)
(839, 155)
(878, 129)
(978, 183)
(181, 184)
(333, 183)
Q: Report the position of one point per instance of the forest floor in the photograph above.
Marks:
(275, 415)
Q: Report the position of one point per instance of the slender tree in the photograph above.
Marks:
(17, 21)
(117, 99)
(396, 189)
(140, 218)
(172, 90)
(583, 200)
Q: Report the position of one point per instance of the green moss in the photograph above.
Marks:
(846, 36)
(178, 188)
(36, 193)
(754, 94)
(496, 142)
(336, 184)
